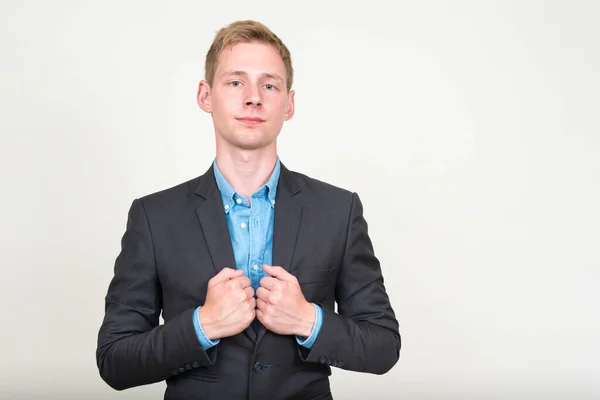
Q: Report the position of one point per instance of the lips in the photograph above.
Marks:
(251, 120)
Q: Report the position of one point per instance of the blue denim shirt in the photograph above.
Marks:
(251, 231)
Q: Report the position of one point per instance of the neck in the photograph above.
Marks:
(247, 170)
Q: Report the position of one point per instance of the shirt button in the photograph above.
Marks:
(227, 206)
(243, 225)
(255, 267)
(239, 201)
(273, 202)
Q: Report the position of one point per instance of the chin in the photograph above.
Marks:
(246, 145)
(252, 140)
(248, 139)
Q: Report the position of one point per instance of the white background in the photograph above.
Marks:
(469, 129)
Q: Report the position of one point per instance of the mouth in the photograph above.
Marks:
(251, 120)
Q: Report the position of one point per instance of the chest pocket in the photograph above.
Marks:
(312, 276)
(318, 285)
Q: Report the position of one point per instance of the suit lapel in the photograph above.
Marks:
(288, 213)
(214, 224)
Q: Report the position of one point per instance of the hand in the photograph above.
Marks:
(230, 306)
(281, 306)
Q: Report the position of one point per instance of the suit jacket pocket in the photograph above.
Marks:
(201, 375)
(317, 276)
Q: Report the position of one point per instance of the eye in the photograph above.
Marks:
(235, 83)
(268, 86)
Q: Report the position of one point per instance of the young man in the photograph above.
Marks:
(246, 261)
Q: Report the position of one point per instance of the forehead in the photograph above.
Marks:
(252, 58)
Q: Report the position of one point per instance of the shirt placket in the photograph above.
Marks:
(252, 263)
(258, 239)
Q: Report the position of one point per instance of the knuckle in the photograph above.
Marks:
(268, 319)
(232, 284)
(275, 298)
(269, 309)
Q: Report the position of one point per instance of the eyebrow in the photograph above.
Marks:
(263, 75)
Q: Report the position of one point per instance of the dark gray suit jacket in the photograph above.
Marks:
(177, 239)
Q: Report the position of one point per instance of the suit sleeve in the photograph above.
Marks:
(363, 336)
(133, 349)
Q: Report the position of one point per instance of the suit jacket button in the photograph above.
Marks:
(195, 364)
(258, 368)
(340, 364)
(323, 360)
(188, 367)
(181, 369)
(174, 372)
(329, 360)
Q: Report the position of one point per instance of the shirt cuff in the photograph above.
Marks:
(204, 340)
(309, 341)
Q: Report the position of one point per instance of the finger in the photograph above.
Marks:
(268, 283)
(261, 316)
(252, 302)
(249, 292)
(241, 282)
(261, 304)
(262, 293)
(279, 273)
(224, 275)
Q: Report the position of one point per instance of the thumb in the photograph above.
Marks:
(226, 274)
(278, 272)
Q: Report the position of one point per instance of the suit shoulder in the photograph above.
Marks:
(172, 195)
(320, 188)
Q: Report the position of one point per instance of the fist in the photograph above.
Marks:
(230, 304)
(282, 307)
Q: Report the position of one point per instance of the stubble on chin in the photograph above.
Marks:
(246, 141)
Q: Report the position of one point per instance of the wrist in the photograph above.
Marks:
(307, 321)
(207, 323)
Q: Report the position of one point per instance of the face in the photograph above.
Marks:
(248, 99)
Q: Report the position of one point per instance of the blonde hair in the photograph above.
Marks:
(244, 32)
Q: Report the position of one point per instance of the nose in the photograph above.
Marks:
(253, 96)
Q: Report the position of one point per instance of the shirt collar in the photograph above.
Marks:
(228, 193)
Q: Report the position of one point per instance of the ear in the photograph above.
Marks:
(204, 98)
(289, 111)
